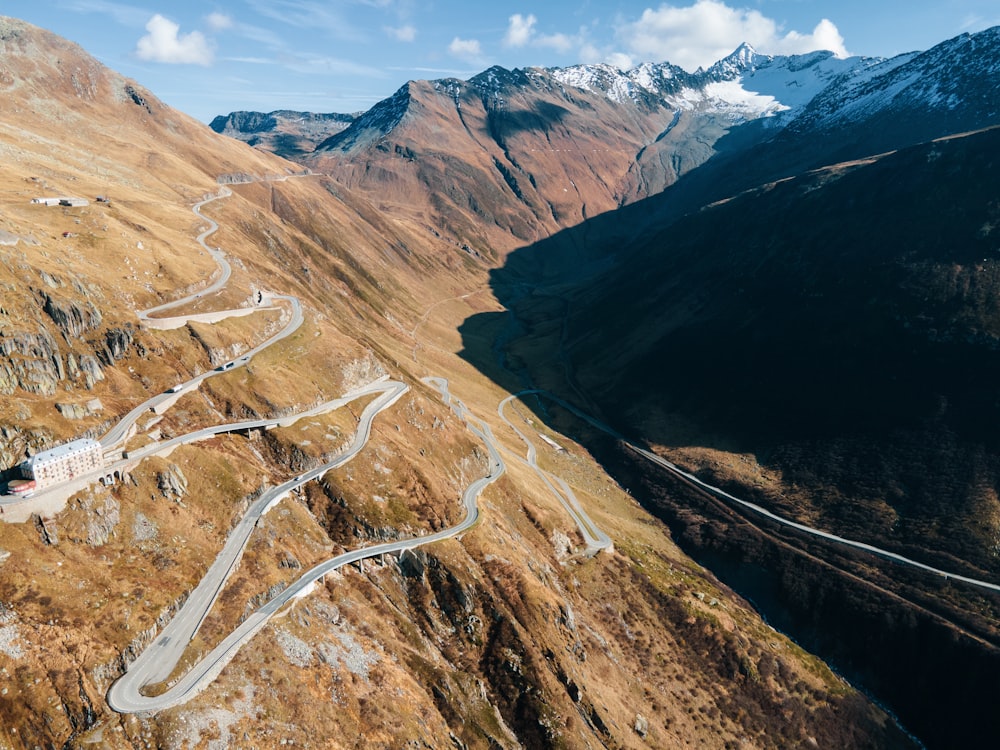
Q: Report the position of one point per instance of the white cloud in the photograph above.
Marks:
(314, 64)
(164, 44)
(466, 49)
(520, 30)
(558, 42)
(251, 60)
(402, 33)
(260, 35)
(219, 21)
(589, 53)
(824, 36)
(310, 14)
(973, 22)
(700, 34)
(620, 60)
(521, 33)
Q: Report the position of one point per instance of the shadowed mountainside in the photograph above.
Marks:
(825, 346)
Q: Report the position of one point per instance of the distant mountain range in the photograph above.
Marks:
(511, 156)
(283, 132)
(744, 86)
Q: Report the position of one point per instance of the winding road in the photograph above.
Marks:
(149, 317)
(595, 539)
(160, 658)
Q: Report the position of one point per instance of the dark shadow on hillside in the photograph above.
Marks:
(541, 118)
(872, 355)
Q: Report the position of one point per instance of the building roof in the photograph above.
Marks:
(62, 451)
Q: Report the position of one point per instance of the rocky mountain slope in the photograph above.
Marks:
(510, 636)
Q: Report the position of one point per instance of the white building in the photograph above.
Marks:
(61, 201)
(64, 462)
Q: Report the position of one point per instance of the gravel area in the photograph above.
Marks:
(143, 529)
(350, 654)
(215, 725)
(296, 650)
(10, 638)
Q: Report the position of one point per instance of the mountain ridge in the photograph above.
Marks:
(533, 151)
(794, 112)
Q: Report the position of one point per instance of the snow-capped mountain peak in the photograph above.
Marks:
(640, 82)
(743, 59)
(744, 85)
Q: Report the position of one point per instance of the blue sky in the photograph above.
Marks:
(214, 56)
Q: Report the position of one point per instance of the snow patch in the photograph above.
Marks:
(732, 96)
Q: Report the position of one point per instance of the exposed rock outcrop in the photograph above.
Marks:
(93, 519)
(16, 442)
(73, 411)
(137, 98)
(80, 411)
(85, 366)
(641, 725)
(116, 344)
(31, 361)
(74, 319)
(413, 563)
(47, 531)
(172, 483)
(91, 369)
